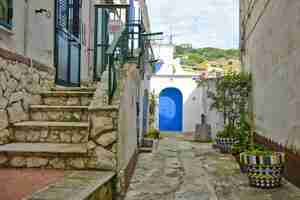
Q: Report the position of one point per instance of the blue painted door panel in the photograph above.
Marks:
(170, 110)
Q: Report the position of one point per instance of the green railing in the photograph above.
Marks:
(126, 46)
(117, 55)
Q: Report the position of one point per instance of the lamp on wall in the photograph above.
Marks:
(43, 11)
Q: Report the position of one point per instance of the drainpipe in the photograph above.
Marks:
(25, 34)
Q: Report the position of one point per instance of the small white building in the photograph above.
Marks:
(180, 100)
(179, 104)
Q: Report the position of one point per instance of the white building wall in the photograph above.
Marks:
(33, 34)
(36, 40)
(192, 104)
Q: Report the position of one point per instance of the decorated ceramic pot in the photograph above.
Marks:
(264, 171)
(225, 144)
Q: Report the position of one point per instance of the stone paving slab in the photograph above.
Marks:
(182, 170)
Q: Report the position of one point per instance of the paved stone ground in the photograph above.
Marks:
(16, 184)
(182, 170)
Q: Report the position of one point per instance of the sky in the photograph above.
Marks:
(203, 23)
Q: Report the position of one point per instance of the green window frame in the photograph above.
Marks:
(6, 13)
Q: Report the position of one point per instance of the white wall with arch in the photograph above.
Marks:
(192, 95)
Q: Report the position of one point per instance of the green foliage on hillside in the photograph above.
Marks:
(192, 56)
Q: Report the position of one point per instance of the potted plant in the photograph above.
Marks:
(265, 168)
(226, 139)
(243, 143)
(231, 98)
(151, 135)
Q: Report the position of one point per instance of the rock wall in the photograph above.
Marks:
(103, 129)
(21, 81)
(270, 47)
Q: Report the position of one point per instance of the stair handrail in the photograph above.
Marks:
(117, 51)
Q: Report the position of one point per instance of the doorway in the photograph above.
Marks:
(170, 110)
(67, 42)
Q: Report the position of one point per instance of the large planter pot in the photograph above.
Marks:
(264, 171)
(147, 142)
(225, 144)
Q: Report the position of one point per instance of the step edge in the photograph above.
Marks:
(39, 150)
(51, 124)
(56, 107)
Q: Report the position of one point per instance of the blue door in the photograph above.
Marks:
(170, 110)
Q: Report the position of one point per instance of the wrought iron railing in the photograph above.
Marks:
(117, 55)
(127, 46)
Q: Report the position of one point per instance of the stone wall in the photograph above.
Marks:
(21, 81)
(270, 46)
(103, 129)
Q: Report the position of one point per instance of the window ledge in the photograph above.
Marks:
(6, 30)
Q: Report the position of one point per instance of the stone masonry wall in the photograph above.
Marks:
(103, 130)
(270, 45)
(21, 80)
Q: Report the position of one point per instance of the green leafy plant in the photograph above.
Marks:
(231, 98)
(153, 134)
(228, 132)
(152, 107)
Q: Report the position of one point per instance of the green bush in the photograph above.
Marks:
(228, 132)
(153, 133)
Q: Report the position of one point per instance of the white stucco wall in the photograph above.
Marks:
(36, 40)
(195, 100)
(127, 130)
(33, 34)
(271, 53)
(192, 105)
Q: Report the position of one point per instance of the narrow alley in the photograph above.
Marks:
(182, 170)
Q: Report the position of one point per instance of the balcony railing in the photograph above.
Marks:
(126, 46)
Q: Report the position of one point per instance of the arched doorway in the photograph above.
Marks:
(170, 110)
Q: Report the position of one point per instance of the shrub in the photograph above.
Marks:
(153, 133)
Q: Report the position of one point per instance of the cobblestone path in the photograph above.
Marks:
(182, 170)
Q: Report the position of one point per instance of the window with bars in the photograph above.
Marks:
(6, 13)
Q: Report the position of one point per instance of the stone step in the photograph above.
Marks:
(69, 98)
(59, 113)
(50, 132)
(43, 155)
(82, 89)
(79, 185)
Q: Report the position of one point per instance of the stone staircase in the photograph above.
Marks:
(56, 135)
